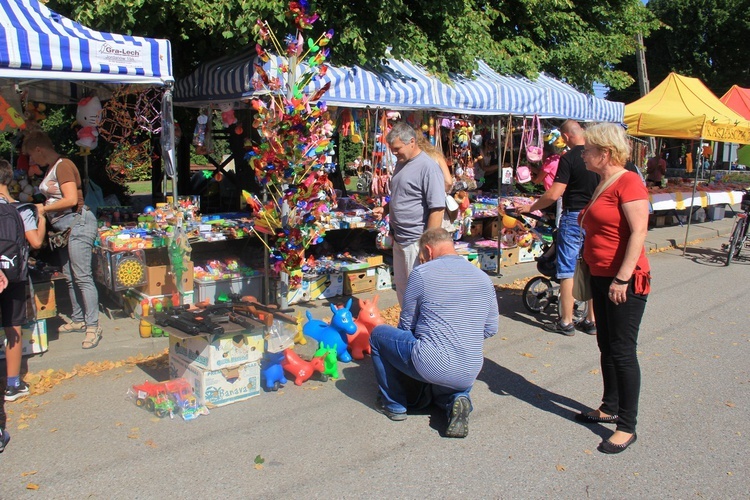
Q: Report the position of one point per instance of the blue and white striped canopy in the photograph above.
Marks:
(402, 85)
(37, 43)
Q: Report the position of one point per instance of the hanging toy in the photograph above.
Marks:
(199, 134)
(87, 116)
(227, 114)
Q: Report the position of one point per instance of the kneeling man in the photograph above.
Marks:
(449, 308)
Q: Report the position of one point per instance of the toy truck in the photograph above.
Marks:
(181, 393)
(154, 397)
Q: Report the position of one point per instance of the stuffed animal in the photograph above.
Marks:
(227, 114)
(87, 116)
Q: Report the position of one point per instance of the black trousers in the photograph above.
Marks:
(617, 327)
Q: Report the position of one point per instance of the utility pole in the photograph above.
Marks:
(643, 85)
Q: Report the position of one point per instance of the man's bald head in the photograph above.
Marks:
(573, 133)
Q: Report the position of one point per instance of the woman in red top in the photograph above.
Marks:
(615, 225)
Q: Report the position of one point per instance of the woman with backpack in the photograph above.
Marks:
(65, 209)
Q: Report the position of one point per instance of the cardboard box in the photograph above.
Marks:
(384, 279)
(530, 253)
(236, 346)
(360, 281)
(161, 280)
(374, 260)
(210, 290)
(218, 387)
(44, 300)
(477, 226)
(473, 259)
(33, 338)
(488, 261)
(325, 286)
(509, 257)
(490, 230)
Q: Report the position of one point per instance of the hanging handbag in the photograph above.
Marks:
(58, 239)
(582, 274)
(534, 147)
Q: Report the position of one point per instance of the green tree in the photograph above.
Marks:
(697, 38)
(580, 41)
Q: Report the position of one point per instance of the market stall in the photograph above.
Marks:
(50, 59)
(684, 108)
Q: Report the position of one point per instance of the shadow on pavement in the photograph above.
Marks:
(713, 257)
(504, 382)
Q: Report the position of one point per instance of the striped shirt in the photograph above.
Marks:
(450, 306)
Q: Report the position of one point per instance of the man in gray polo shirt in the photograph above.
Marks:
(417, 201)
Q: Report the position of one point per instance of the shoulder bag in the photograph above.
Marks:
(582, 274)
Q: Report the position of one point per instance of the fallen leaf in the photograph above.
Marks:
(503, 338)
(636, 474)
(53, 430)
(30, 473)
(729, 404)
(118, 424)
(547, 365)
(258, 466)
(151, 444)
(22, 426)
(259, 459)
(132, 436)
(534, 372)
(32, 486)
(527, 355)
(135, 429)
(155, 419)
(595, 371)
(587, 452)
(559, 467)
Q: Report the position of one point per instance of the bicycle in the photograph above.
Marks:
(543, 292)
(739, 236)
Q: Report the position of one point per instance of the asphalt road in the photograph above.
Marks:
(85, 439)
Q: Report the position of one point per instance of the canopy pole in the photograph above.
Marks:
(690, 215)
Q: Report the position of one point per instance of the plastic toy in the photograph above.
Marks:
(271, 371)
(334, 334)
(154, 397)
(145, 326)
(185, 403)
(299, 338)
(87, 116)
(367, 319)
(328, 353)
(303, 370)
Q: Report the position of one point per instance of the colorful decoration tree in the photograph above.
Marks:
(295, 149)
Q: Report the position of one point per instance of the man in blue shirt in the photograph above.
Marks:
(449, 308)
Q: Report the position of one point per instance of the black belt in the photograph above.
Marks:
(568, 210)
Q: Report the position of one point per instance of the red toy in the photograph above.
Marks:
(300, 369)
(367, 319)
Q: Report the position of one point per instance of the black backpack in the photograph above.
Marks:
(14, 249)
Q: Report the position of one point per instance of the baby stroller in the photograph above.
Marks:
(543, 292)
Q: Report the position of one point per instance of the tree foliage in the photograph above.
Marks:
(697, 38)
(580, 41)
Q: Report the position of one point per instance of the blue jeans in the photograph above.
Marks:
(76, 262)
(569, 242)
(400, 385)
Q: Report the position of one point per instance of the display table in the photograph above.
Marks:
(684, 200)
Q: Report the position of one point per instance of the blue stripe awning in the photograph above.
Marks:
(41, 44)
(403, 85)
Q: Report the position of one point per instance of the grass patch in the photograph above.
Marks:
(140, 187)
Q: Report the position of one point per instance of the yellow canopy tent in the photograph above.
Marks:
(683, 108)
